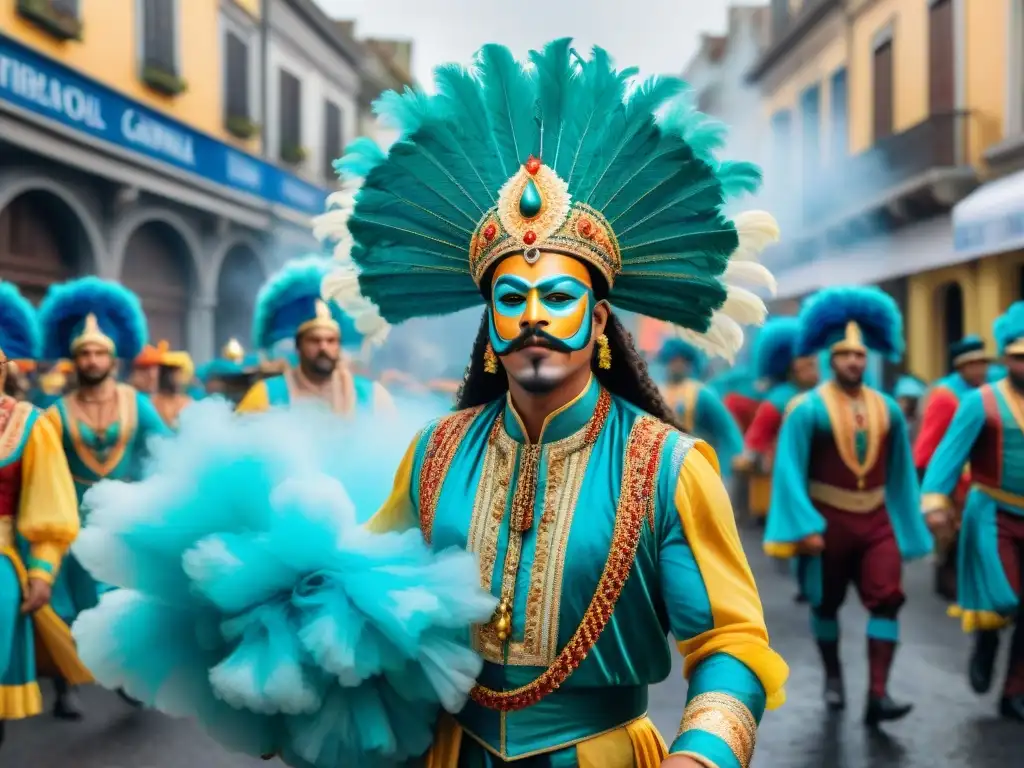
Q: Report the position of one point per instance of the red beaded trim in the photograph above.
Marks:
(639, 479)
(441, 448)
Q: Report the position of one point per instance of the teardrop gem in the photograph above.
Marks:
(530, 201)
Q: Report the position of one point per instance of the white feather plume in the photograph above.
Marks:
(724, 337)
(342, 287)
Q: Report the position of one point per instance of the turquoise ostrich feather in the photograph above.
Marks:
(774, 348)
(639, 153)
(287, 300)
(823, 319)
(20, 337)
(1009, 327)
(117, 310)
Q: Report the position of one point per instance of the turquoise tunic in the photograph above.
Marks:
(542, 519)
(982, 586)
(115, 454)
(793, 515)
(710, 420)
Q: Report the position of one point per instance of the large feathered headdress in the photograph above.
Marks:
(290, 301)
(19, 325)
(565, 154)
(674, 348)
(774, 348)
(92, 310)
(851, 318)
(1009, 330)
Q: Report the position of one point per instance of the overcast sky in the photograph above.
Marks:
(659, 36)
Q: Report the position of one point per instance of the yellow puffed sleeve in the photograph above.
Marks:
(48, 510)
(256, 400)
(382, 402)
(397, 513)
(710, 528)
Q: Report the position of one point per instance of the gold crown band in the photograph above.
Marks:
(852, 341)
(322, 319)
(973, 356)
(552, 223)
(91, 334)
(1015, 347)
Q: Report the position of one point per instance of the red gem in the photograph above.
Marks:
(490, 231)
(530, 237)
(586, 228)
(532, 165)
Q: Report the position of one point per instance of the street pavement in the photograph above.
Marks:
(949, 727)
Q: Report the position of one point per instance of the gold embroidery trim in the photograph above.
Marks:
(566, 462)
(127, 418)
(437, 458)
(14, 429)
(726, 717)
(639, 479)
(844, 430)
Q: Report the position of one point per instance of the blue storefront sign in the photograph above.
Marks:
(33, 82)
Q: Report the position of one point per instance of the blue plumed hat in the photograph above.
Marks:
(774, 348)
(20, 338)
(675, 348)
(233, 361)
(1009, 330)
(562, 154)
(851, 318)
(291, 302)
(967, 350)
(92, 310)
(910, 386)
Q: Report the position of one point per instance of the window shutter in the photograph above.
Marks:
(883, 91)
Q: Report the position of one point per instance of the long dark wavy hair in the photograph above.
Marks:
(628, 377)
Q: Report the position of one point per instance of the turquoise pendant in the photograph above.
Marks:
(530, 201)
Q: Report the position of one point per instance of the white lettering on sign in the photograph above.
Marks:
(51, 94)
(157, 137)
(301, 195)
(244, 172)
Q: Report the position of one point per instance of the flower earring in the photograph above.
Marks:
(604, 353)
(490, 359)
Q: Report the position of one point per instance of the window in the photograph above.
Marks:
(66, 7)
(290, 109)
(952, 312)
(941, 59)
(159, 36)
(810, 130)
(781, 138)
(882, 71)
(333, 138)
(236, 73)
(839, 121)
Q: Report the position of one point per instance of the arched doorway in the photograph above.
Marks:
(951, 307)
(158, 267)
(241, 276)
(42, 242)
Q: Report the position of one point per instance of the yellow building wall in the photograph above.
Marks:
(986, 24)
(109, 52)
(252, 7)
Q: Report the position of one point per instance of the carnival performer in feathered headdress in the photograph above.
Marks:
(231, 375)
(104, 425)
(290, 306)
(38, 522)
(986, 432)
(547, 194)
(699, 409)
(969, 364)
(786, 376)
(173, 378)
(844, 490)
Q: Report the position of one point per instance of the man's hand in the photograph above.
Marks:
(681, 761)
(38, 595)
(744, 462)
(811, 545)
(938, 521)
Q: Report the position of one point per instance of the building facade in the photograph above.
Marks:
(138, 152)
(882, 115)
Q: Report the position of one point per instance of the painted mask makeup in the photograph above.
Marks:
(551, 298)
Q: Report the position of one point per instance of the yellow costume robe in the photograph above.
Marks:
(38, 523)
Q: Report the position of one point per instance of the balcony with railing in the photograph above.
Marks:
(907, 176)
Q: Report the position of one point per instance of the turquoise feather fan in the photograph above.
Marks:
(20, 337)
(638, 154)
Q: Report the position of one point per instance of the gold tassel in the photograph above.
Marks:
(604, 353)
(490, 360)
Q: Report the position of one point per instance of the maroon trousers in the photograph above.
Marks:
(1010, 530)
(861, 549)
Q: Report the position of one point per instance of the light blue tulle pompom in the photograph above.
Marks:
(251, 598)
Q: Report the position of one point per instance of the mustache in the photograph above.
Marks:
(535, 336)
